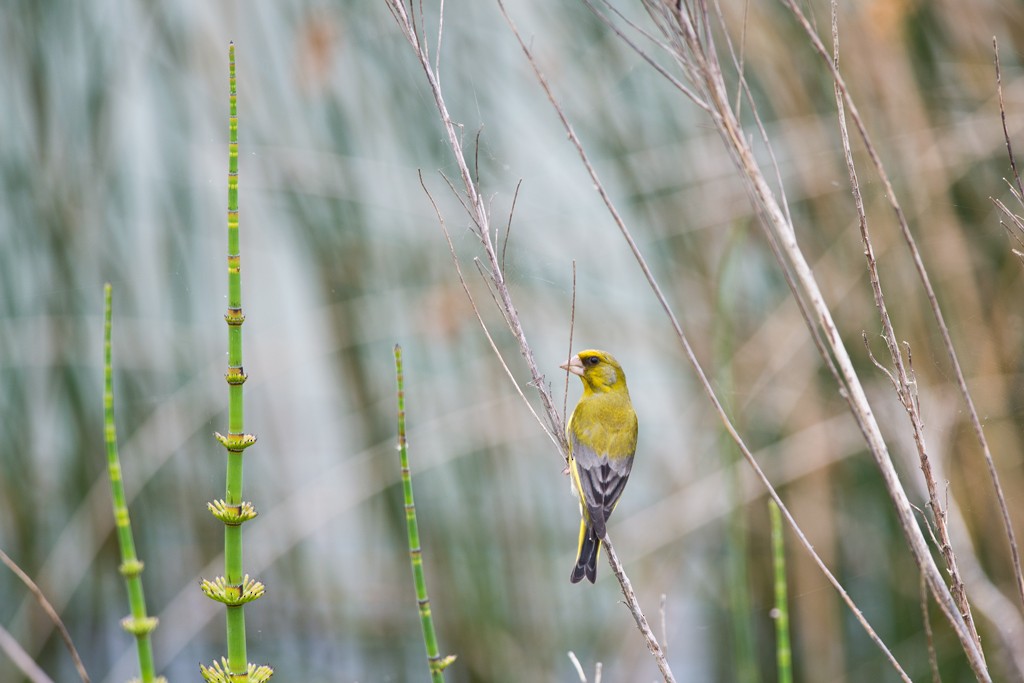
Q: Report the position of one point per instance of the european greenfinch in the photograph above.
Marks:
(602, 440)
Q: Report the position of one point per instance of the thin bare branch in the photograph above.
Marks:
(479, 318)
(1002, 613)
(1016, 231)
(930, 639)
(739, 59)
(22, 660)
(579, 667)
(437, 51)
(874, 361)
(687, 28)
(1002, 117)
(481, 219)
(742, 87)
(691, 356)
(476, 166)
(634, 607)
(664, 629)
(902, 377)
(679, 85)
(50, 612)
(572, 330)
(974, 653)
(477, 210)
(508, 227)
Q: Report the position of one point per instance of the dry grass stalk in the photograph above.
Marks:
(684, 341)
(687, 31)
(902, 375)
(478, 213)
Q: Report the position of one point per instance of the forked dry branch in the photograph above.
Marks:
(684, 341)
(477, 211)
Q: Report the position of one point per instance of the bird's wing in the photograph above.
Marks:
(602, 480)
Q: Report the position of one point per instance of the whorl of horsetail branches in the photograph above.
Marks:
(235, 588)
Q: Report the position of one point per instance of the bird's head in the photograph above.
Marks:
(598, 370)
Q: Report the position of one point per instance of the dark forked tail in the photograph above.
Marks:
(586, 557)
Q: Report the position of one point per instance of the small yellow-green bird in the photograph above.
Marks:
(602, 440)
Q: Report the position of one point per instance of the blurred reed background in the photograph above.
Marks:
(113, 164)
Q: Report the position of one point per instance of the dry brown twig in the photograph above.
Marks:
(1016, 227)
(699, 60)
(1001, 612)
(933, 662)
(902, 375)
(22, 660)
(687, 32)
(50, 612)
(684, 341)
(474, 205)
(923, 276)
(572, 329)
(1002, 117)
(476, 312)
(664, 629)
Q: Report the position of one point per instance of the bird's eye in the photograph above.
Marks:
(593, 360)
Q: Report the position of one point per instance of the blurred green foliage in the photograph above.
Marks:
(113, 167)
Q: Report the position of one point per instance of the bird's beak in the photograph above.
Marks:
(573, 365)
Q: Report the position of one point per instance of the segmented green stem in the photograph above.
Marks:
(235, 588)
(436, 662)
(237, 657)
(783, 654)
(138, 624)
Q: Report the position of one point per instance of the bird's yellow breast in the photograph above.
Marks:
(606, 423)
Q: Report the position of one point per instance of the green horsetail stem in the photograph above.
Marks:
(137, 624)
(783, 654)
(235, 588)
(435, 661)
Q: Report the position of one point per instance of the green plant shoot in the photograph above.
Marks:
(435, 661)
(137, 624)
(235, 588)
(783, 654)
